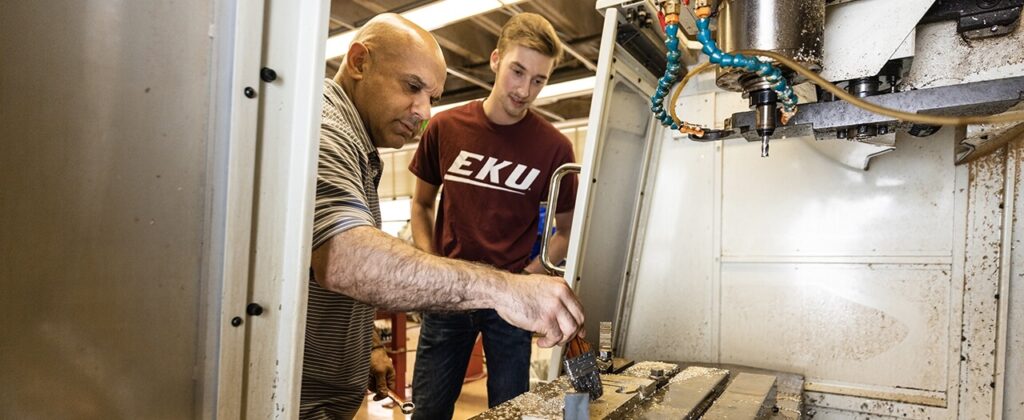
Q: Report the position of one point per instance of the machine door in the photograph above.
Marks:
(156, 203)
(611, 183)
(105, 204)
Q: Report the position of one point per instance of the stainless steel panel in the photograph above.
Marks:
(105, 113)
(840, 324)
(803, 264)
(805, 204)
(677, 259)
(616, 192)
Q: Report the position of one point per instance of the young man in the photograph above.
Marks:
(391, 73)
(495, 159)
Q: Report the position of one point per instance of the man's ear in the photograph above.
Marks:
(357, 60)
(495, 59)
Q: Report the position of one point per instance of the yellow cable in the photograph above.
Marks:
(682, 83)
(900, 115)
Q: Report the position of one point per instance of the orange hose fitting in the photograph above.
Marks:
(702, 8)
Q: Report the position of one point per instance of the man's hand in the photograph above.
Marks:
(544, 305)
(382, 373)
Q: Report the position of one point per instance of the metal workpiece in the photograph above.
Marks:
(794, 28)
(605, 354)
(658, 390)
(690, 394)
(749, 396)
(652, 369)
(548, 401)
(828, 118)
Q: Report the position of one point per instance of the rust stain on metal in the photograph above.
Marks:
(981, 282)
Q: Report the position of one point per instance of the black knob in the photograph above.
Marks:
(236, 321)
(268, 74)
(249, 92)
(254, 309)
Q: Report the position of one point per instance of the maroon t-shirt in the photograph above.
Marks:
(494, 178)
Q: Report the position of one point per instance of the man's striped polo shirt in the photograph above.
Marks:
(338, 328)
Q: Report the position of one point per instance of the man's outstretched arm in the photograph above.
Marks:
(375, 268)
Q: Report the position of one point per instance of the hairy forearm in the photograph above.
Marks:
(372, 267)
(422, 221)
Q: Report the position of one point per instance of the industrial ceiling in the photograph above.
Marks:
(467, 44)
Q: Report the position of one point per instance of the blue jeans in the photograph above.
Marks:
(445, 345)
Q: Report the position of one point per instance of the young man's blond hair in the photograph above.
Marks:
(531, 31)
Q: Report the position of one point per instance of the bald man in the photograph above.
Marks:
(380, 97)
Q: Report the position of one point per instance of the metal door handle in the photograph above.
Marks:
(549, 215)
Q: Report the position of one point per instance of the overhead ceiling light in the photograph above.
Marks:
(550, 93)
(564, 90)
(430, 17)
(442, 13)
(434, 110)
